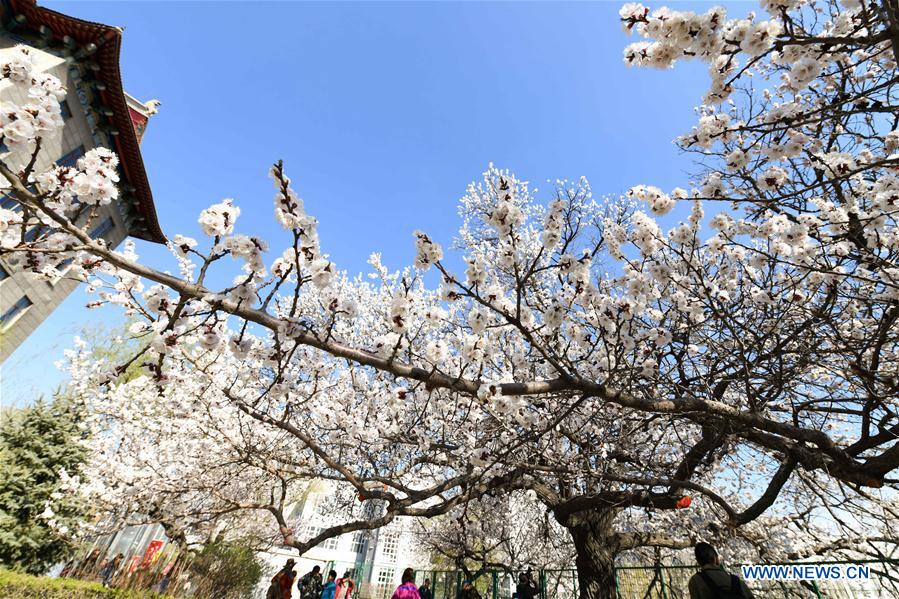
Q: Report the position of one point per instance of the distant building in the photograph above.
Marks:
(97, 112)
(377, 558)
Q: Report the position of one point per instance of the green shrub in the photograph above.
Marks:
(36, 443)
(14, 585)
(225, 571)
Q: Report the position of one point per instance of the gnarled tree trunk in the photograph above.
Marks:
(597, 545)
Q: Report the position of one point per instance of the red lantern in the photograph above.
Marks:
(683, 502)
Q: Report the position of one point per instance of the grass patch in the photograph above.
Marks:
(15, 585)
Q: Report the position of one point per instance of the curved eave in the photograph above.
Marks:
(108, 41)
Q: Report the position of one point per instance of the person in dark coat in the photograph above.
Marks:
(468, 591)
(425, 589)
(107, 574)
(712, 581)
(310, 584)
(525, 589)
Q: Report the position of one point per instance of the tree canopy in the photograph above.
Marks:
(737, 371)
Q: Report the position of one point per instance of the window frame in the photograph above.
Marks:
(107, 225)
(385, 583)
(389, 546)
(359, 542)
(14, 312)
(71, 157)
(65, 110)
(7, 202)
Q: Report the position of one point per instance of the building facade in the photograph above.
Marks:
(97, 113)
(375, 558)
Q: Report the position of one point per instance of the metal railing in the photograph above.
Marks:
(671, 582)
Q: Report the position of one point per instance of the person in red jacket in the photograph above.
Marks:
(345, 586)
(282, 582)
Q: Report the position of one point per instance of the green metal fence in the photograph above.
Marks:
(670, 582)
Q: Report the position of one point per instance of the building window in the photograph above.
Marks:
(13, 311)
(35, 232)
(331, 544)
(359, 542)
(103, 228)
(65, 110)
(385, 582)
(3, 273)
(72, 157)
(314, 531)
(389, 543)
(3, 147)
(9, 203)
(64, 264)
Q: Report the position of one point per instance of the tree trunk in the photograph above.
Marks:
(596, 545)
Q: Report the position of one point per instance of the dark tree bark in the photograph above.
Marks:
(597, 545)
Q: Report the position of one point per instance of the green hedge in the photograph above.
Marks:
(14, 585)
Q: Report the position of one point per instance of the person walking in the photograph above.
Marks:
(425, 590)
(330, 586)
(345, 586)
(468, 591)
(407, 588)
(525, 589)
(310, 585)
(162, 586)
(107, 574)
(282, 582)
(712, 581)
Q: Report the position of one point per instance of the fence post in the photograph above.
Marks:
(617, 586)
(668, 570)
(542, 584)
(817, 591)
(661, 580)
(495, 585)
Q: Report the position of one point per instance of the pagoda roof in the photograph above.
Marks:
(101, 44)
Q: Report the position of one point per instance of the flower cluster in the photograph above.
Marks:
(659, 202)
(552, 228)
(21, 125)
(219, 219)
(93, 180)
(427, 252)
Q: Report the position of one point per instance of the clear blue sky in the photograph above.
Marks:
(382, 112)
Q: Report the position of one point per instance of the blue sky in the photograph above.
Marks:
(382, 112)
